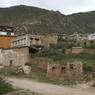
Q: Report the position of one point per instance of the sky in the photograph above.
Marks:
(64, 6)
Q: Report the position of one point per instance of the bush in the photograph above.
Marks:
(5, 87)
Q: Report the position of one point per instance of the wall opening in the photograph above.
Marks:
(53, 69)
(11, 63)
(63, 69)
(71, 66)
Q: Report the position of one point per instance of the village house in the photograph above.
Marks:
(25, 37)
(19, 49)
(91, 36)
(77, 37)
(27, 40)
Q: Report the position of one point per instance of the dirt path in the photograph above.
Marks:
(48, 89)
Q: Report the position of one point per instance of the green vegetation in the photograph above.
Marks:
(5, 87)
(44, 21)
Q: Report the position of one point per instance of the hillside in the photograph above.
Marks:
(44, 21)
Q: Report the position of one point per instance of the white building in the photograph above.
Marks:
(91, 36)
(27, 40)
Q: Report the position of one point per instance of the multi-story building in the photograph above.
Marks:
(25, 37)
(27, 40)
(91, 36)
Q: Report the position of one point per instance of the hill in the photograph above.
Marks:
(45, 21)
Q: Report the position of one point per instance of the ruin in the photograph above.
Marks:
(66, 71)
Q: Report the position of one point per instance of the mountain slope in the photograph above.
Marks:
(44, 21)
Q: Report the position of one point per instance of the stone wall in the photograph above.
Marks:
(77, 50)
(15, 56)
(41, 63)
(10, 58)
(67, 71)
(89, 50)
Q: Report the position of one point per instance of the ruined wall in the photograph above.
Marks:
(67, 71)
(89, 50)
(77, 50)
(41, 63)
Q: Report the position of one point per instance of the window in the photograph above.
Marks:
(53, 68)
(71, 66)
(11, 63)
(63, 69)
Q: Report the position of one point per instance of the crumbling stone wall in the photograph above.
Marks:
(40, 62)
(67, 71)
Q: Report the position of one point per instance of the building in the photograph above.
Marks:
(91, 36)
(26, 37)
(27, 40)
(6, 36)
(14, 56)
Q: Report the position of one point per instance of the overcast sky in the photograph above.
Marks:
(64, 6)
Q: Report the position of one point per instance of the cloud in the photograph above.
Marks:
(8, 3)
(65, 6)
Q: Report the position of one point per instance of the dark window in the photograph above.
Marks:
(53, 69)
(71, 66)
(63, 69)
(11, 63)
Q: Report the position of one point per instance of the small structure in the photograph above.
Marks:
(91, 36)
(66, 71)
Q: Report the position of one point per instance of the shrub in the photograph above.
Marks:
(5, 87)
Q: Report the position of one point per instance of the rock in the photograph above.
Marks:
(26, 69)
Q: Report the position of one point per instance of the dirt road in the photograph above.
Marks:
(48, 89)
